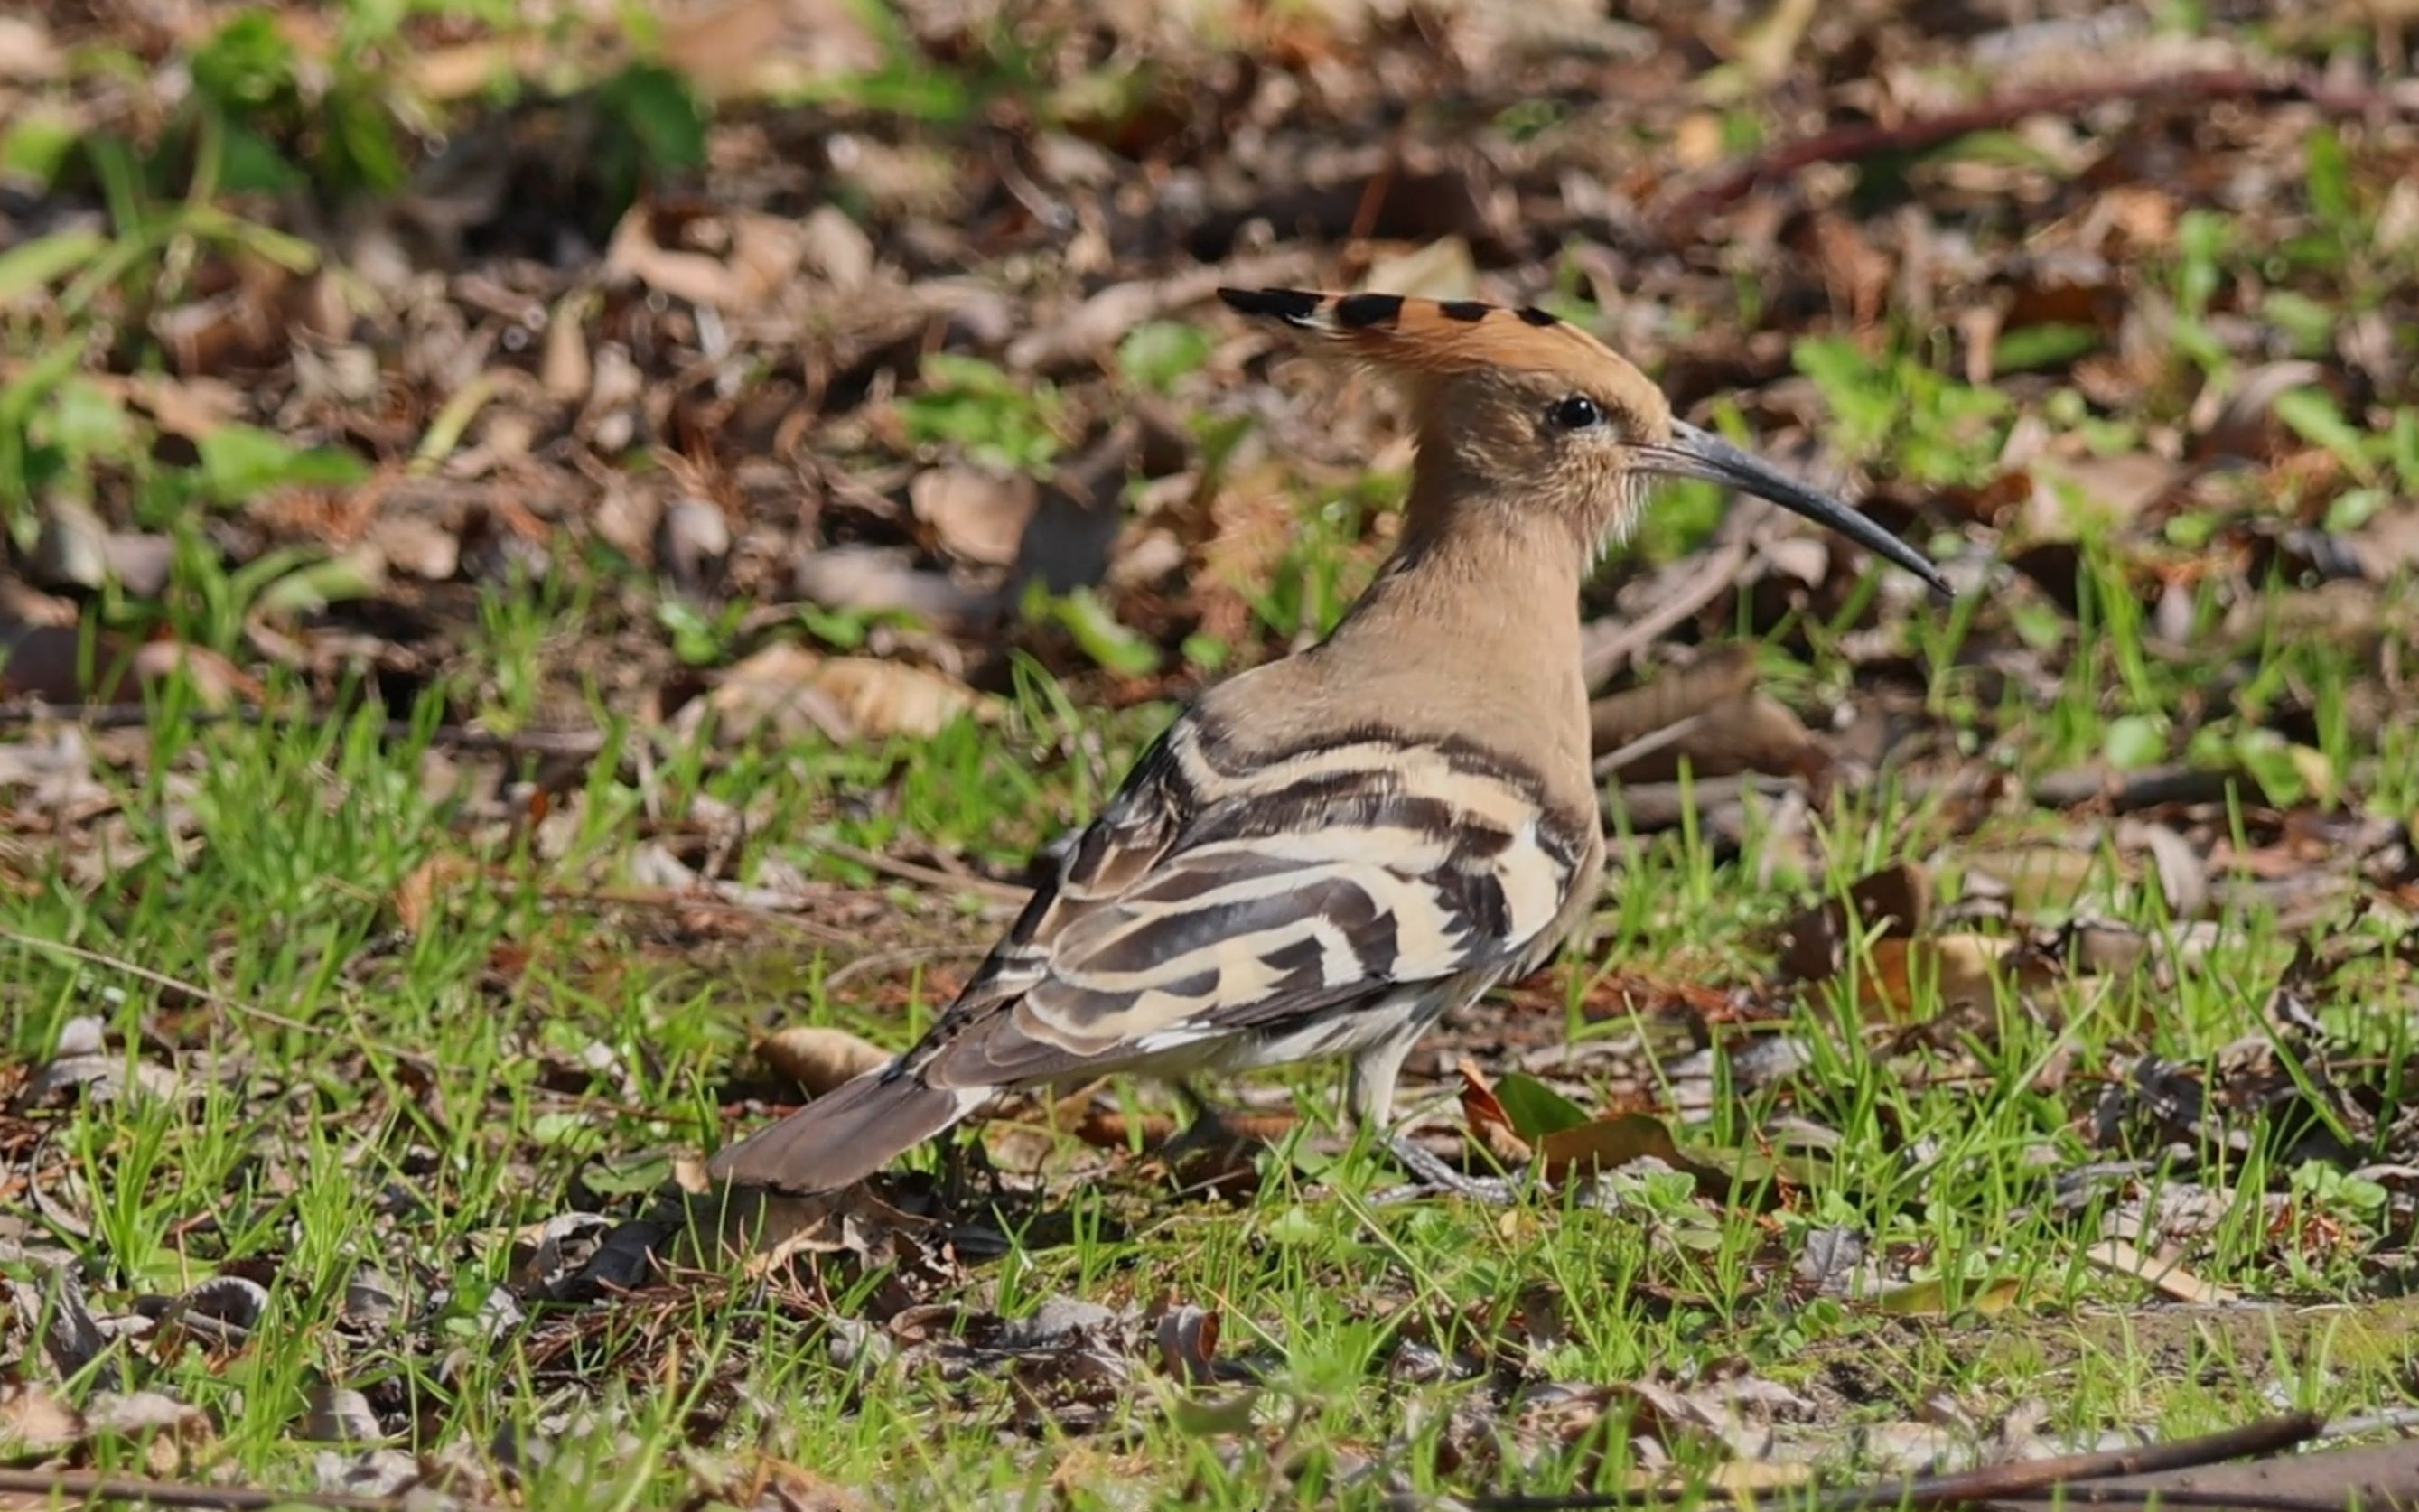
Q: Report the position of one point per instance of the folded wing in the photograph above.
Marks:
(1219, 902)
(1218, 898)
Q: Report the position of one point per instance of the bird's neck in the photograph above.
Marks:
(1498, 574)
(1480, 606)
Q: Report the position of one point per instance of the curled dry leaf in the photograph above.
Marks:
(1484, 1112)
(1711, 714)
(763, 257)
(1624, 718)
(221, 1312)
(35, 1423)
(979, 517)
(1962, 972)
(1896, 899)
(874, 579)
(2121, 1259)
(794, 691)
(1188, 1344)
(819, 1059)
(338, 1414)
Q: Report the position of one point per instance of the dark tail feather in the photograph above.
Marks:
(843, 1137)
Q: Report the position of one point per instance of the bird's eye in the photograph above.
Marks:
(1576, 412)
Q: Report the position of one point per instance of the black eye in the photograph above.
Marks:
(1576, 412)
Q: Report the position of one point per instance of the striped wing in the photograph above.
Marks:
(1215, 897)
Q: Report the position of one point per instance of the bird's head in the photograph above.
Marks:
(1518, 410)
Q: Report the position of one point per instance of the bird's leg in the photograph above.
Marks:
(1208, 1126)
(1372, 1097)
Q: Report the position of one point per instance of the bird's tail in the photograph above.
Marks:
(846, 1135)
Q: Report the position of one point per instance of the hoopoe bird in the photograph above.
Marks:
(1327, 852)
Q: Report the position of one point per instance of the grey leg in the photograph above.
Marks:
(1375, 1071)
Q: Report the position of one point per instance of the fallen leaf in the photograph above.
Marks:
(819, 1059)
(764, 255)
(1533, 1109)
(1896, 900)
(978, 516)
(1442, 270)
(1484, 1113)
(1605, 1144)
(2121, 1259)
(793, 692)
(1962, 971)
(1188, 1344)
(1933, 1298)
(36, 1423)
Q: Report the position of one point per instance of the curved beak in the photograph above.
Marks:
(1694, 453)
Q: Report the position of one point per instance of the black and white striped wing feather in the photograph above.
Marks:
(1217, 902)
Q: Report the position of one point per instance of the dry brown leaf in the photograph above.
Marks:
(2039, 878)
(1442, 270)
(763, 257)
(36, 1423)
(1622, 719)
(1188, 1343)
(2122, 487)
(1750, 732)
(793, 691)
(1605, 1144)
(2237, 420)
(1963, 970)
(766, 47)
(1896, 899)
(819, 1060)
(890, 698)
(979, 516)
(2169, 1276)
(1484, 1114)
(415, 896)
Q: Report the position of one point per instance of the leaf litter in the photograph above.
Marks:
(841, 413)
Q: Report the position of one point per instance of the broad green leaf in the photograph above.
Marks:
(1536, 1109)
(242, 461)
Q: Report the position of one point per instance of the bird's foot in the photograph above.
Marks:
(1211, 1149)
(1430, 1173)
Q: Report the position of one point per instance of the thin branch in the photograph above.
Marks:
(2017, 1480)
(162, 979)
(86, 1488)
(1851, 144)
(453, 736)
(1721, 568)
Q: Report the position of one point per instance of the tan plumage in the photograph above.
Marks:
(1327, 852)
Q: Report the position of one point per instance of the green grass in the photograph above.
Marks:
(421, 1001)
(438, 1103)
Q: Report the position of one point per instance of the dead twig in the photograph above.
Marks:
(85, 1487)
(2069, 1475)
(162, 979)
(1851, 144)
(1721, 568)
(931, 876)
(453, 736)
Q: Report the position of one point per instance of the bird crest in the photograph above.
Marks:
(1432, 335)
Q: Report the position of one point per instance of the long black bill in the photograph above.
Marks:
(1700, 454)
